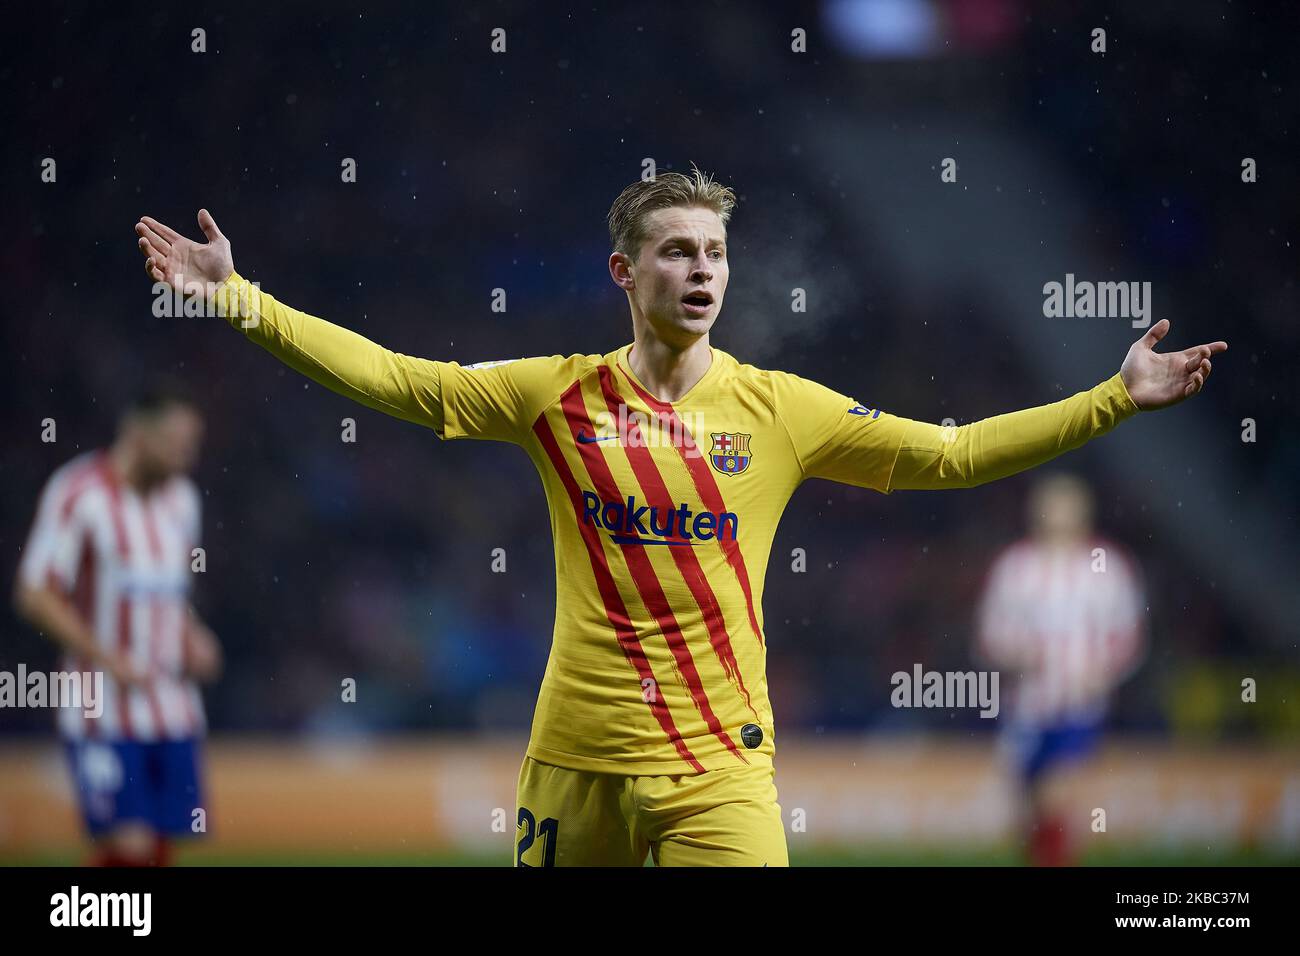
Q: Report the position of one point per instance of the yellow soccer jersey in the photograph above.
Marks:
(663, 515)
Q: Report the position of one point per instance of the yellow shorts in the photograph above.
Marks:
(580, 818)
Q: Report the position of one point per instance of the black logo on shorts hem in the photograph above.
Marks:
(751, 735)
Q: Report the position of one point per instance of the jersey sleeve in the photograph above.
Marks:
(834, 436)
(839, 439)
(500, 400)
(491, 400)
(53, 553)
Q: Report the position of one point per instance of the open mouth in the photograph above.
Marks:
(698, 301)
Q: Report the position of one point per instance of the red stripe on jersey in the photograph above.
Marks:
(642, 571)
(615, 610)
(123, 603)
(707, 488)
(190, 716)
(687, 560)
(151, 692)
(84, 594)
(83, 599)
(175, 511)
(155, 619)
(124, 647)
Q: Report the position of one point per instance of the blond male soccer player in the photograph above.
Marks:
(667, 464)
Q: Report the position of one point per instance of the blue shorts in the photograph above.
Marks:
(1040, 748)
(129, 781)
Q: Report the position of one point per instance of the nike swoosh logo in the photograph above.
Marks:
(588, 439)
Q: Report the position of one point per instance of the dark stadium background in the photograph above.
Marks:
(477, 171)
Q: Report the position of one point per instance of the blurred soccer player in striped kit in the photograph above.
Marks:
(1062, 617)
(106, 574)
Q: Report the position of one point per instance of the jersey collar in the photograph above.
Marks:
(625, 368)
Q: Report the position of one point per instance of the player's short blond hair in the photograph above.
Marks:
(629, 215)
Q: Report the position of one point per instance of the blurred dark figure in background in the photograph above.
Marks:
(1062, 616)
(106, 574)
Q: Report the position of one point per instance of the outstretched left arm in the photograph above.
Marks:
(1160, 379)
(933, 456)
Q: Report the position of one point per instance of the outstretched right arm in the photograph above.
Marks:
(350, 364)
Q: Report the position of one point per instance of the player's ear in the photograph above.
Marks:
(620, 269)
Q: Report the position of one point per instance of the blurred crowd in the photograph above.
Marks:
(373, 559)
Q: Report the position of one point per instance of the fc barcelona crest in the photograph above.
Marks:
(730, 454)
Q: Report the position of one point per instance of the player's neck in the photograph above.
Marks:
(1062, 542)
(669, 374)
(125, 464)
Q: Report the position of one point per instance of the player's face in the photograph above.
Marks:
(169, 441)
(681, 274)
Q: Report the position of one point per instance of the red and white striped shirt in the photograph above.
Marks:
(124, 559)
(1065, 630)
